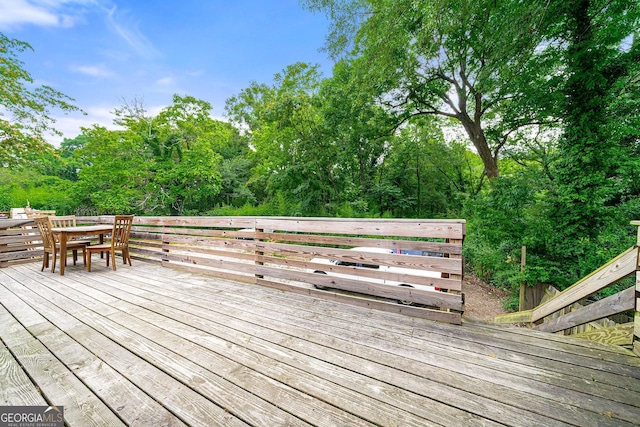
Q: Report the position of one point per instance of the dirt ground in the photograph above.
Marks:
(482, 301)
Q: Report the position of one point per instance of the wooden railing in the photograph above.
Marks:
(20, 242)
(561, 313)
(614, 329)
(287, 253)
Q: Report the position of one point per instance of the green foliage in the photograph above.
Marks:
(579, 215)
(285, 129)
(457, 59)
(433, 178)
(501, 220)
(193, 182)
(28, 108)
(595, 154)
(19, 187)
(163, 165)
(514, 213)
(116, 170)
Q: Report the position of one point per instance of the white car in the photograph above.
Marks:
(250, 232)
(382, 268)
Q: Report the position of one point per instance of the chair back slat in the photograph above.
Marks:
(63, 221)
(121, 230)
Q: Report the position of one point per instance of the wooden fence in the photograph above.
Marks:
(288, 253)
(567, 310)
(20, 242)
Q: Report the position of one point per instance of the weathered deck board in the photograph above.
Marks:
(141, 350)
(53, 378)
(477, 370)
(17, 389)
(474, 341)
(155, 346)
(303, 373)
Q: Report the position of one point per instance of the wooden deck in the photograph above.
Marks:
(153, 346)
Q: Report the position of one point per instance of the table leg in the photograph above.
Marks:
(101, 241)
(63, 252)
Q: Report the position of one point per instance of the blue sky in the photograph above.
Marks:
(100, 52)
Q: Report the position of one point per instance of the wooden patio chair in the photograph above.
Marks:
(119, 242)
(52, 247)
(66, 221)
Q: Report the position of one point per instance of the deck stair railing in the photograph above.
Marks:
(560, 314)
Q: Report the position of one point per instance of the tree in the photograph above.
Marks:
(572, 214)
(360, 131)
(462, 59)
(434, 177)
(284, 125)
(116, 172)
(29, 109)
(174, 165)
(598, 149)
(183, 139)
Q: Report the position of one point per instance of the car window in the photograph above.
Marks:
(369, 266)
(345, 263)
(356, 264)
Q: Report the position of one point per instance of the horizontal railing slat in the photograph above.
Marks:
(451, 229)
(310, 239)
(442, 316)
(438, 282)
(614, 304)
(431, 298)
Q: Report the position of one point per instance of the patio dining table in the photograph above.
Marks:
(64, 234)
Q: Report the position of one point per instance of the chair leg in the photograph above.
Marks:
(89, 261)
(53, 263)
(113, 258)
(75, 256)
(45, 261)
(126, 256)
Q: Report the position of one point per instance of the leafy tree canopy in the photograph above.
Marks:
(463, 59)
(25, 111)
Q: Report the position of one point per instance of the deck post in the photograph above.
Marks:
(258, 253)
(636, 320)
(166, 241)
(522, 306)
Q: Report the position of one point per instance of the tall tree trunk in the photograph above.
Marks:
(476, 135)
(583, 148)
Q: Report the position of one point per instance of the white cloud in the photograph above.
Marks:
(93, 70)
(68, 21)
(17, 12)
(129, 32)
(45, 13)
(154, 110)
(165, 81)
(70, 125)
